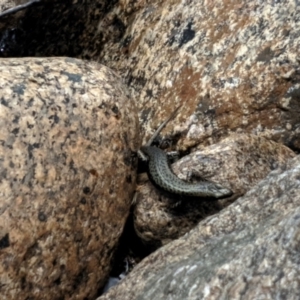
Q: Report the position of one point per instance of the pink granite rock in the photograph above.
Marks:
(67, 175)
(233, 65)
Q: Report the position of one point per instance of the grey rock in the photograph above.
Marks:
(250, 250)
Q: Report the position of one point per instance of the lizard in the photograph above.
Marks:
(161, 175)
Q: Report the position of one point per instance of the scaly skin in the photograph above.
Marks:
(161, 175)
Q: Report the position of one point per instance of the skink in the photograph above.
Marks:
(161, 175)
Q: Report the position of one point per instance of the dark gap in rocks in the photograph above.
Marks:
(129, 253)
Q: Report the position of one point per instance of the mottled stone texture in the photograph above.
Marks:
(67, 143)
(250, 250)
(238, 162)
(233, 64)
(6, 4)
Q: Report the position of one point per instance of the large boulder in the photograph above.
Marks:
(67, 174)
(250, 250)
(233, 65)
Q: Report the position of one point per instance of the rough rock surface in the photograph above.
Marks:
(234, 66)
(238, 162)
(250, 250)
(68, 135)
(6, 4)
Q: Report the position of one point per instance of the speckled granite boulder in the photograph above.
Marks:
(67, 143)
(238, 162)
(233, 65)
(250, 250)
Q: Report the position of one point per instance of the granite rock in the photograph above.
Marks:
(250, 250)
(69, 134)
(238, 162)
(233, 65)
